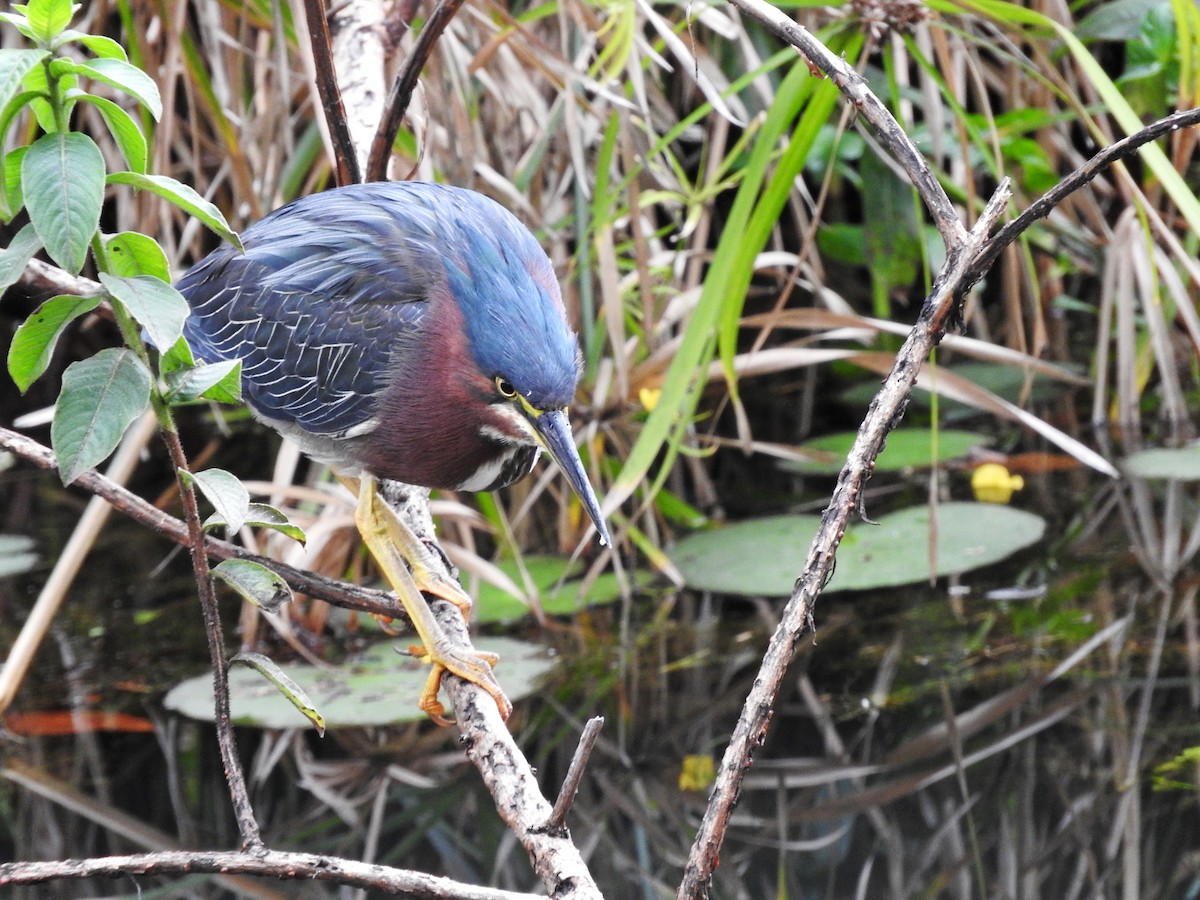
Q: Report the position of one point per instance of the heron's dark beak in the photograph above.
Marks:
(554, 429)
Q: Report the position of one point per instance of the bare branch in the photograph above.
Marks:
(570, 786)
(266, 863)
(1043, 206)
(886, 410)
(345, 157)
(402, 88)
(339, 593)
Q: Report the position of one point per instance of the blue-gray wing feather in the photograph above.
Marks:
(326, 290)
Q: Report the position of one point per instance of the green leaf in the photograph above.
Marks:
(254, 582)
(124, 129)
(906, 448)
(293, 692)
(101, 396)
(48, 18)
(559, 590)
(19, 22)
(131, 253)
(156, 305)
(182, 196)
(1159, 463)
(376, 687)
(219, 382)
(762, 557)
(13, 199)
(261, 515)
(177, 357)
(226, 493)
(33, 345)
(14, 66)
(102, 46)
(63, 179)
(125, 77)
(16, 256)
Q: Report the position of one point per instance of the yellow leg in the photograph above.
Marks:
(395, 548)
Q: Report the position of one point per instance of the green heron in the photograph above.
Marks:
(408, 332)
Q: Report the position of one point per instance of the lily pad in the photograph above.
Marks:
(378, 687)
(494, 604)
(16, 554)
(762, 557)
(1177, 463)
(906, 448)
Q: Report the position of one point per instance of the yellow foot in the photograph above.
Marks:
(466, 666)
(395, 549)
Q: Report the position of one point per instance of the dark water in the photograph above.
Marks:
(931, 741)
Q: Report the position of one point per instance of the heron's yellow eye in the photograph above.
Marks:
(504, 386)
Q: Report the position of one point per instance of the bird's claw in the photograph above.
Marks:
(474, 666)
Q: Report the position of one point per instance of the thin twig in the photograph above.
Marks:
(402, 88)
(885, 412)
(1043, 206)
(236, 779)
(267, 863)
(570, 785)
(344, 157)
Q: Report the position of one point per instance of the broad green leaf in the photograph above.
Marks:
(125, 77)
(226, 493)
(156, 305)
(262, 515)
(124, 129)
(14, 66)
(131, 253)
(182, 196)
(102, 46)
(254, 582)
(294, 694)
(16, 256)
(377, 687)
(33, 345)
(63, 179)
(101, 396)
(219, 381)
(48, 18)
(762, 557)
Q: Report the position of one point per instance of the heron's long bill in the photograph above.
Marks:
(554, 429)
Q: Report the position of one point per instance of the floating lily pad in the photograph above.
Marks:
(494, 604)
(378, 687)
(1178, 463)
(906, 448)
(16, 554)
(762, 557)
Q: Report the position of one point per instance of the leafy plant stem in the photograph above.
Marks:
(54, 96)
(238, 795)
